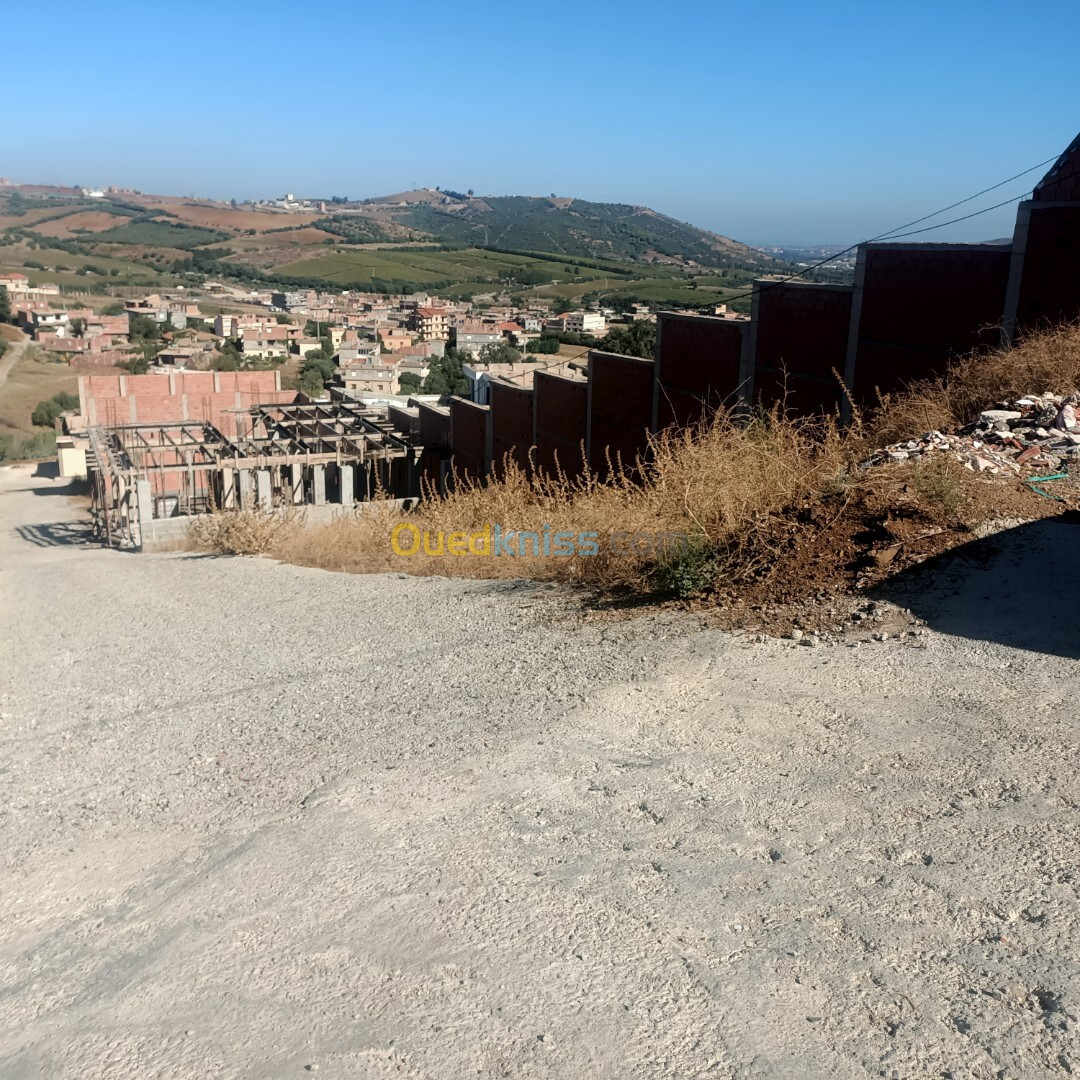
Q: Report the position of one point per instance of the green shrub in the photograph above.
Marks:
(687, 569)
(46, 413)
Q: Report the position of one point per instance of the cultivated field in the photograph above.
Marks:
(464, 273)
(93, 221)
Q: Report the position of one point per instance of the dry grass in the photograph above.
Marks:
(715, 485)
(245, 532)
(33, 378)
(1044, 362)
(758, 502)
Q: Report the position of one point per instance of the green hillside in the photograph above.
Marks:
(571, 227)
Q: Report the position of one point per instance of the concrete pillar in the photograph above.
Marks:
(318, 485)
(228, 489)
(297, 478)
(144, 500)
(347, 490)
(247, 489)
(144, 511)
(263, 489)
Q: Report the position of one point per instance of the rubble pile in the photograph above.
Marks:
(1039, 431)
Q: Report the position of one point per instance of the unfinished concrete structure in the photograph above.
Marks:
(147, 480)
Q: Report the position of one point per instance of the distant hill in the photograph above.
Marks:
(570, 227)
(455, 244)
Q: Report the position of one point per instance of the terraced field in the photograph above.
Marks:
(472, 271)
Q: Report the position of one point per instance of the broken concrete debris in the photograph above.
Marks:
(1039, 431)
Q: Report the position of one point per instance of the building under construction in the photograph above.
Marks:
(148, 477)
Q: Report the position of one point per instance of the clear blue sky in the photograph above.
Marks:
(781, 122)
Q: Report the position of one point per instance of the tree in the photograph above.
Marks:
(639, 339)
(140, 365)
(499, 353)
(316, 361)
(78, 327)
(470, 193)
(445, 375)
(562, 305)
(548, 346)
(5, 305)
(282, 318)
(46, 413)
(225, 361)
(142, 328)
(311, 383)
(409, 382)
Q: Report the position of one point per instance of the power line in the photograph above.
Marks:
(896, 234)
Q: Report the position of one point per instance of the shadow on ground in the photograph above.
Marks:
(57, 534)
(72, 487)
(1018, 588)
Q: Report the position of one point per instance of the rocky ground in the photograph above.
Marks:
(265, 821)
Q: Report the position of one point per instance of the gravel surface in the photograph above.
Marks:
(262, 821)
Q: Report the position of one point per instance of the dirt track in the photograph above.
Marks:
(259, 818)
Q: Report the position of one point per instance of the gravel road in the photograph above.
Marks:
(11, 357)
(262, 821)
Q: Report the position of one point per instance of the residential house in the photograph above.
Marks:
(16, 285)
(263, 347)
(481, 376)
(395, 337)
(431, 323)
(296, 302)
(471, 335)
(359, 352)
(37, 315)
(370, 379)
(585, 322)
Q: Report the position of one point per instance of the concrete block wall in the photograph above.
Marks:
(1062, 182)
(560, 422)
(912, 310)
(470, 436)
(701, 362)
(1044, 285)
(435, 438)
(799, 336)
(620, 405)
(511, 425)
(918, 306)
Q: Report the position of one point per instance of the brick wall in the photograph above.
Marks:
(620, 403)
(919, 305)
(699, 364)
(214, 397)
(560, 420)
(511, 425)
(800, 335)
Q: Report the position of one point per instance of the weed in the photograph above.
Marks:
(687, 570)
(246, 532)
(940, 484)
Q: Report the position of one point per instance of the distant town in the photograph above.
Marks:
(369, 345)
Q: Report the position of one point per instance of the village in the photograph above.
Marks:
(380, 346)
